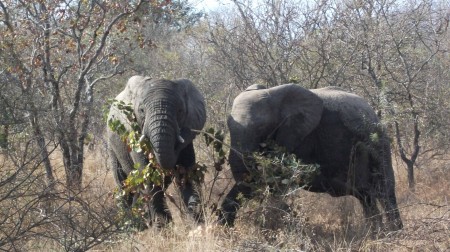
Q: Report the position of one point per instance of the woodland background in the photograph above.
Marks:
(61, 60)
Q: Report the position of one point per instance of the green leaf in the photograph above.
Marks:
(207, 135)
(374, 137)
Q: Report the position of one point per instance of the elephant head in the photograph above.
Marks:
(258, 114)
(167, 112)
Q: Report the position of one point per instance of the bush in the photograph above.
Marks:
(275, 170)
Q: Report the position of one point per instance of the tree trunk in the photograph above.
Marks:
(409, 161)
(411, 180)
(4, 136)
(72, 164)
(72, 143)
(43, 149)
(74, 175)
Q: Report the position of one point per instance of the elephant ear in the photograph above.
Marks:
(300, 111)
(129, 93)
(195, 105)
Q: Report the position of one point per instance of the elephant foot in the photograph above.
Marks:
(230, 205)
(227, 214)
(191, 198)
(162, 221)
(158, 220)
(194, 209)
(226, 219)
(398, 224)
(157, 213)
(394, 225)
(395, 221)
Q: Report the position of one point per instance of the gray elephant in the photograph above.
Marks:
(332, 128)
(167, 112)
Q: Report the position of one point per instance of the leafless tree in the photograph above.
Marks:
(56, 50)
(391, 52)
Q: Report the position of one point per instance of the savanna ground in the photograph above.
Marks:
(318, 222)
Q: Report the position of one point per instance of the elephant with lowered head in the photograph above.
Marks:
(167, 112)
(335, 129)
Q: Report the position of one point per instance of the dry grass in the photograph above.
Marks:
(318, 222)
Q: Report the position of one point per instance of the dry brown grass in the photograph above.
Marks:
(318, 222)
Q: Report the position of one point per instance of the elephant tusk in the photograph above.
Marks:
(180, 139)
(141, 138)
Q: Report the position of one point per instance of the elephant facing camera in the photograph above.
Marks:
(167, 113)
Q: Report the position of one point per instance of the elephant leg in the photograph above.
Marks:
(370, 209)
(192, 201)
(158, 211)
(119, 177)
(121, 164)
(231, 203)
(186, 159)
(392, 213)
(386, 186)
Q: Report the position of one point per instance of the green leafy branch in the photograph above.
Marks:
(274, 169)
(142, 176)
(215, 138)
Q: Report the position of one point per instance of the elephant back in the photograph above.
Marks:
(354, 111)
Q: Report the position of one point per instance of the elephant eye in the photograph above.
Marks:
(141, 114)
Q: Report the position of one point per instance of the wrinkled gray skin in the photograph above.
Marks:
(166, 111)
(326, 126)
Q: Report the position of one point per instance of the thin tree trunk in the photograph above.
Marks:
(411, 180)
(43, 150)
(4, 136)
(74, 174)
(73, 147)
(72, 164)
(409, 161)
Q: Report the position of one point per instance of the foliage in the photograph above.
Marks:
(216, 138)
(278, 172)
(178, 14)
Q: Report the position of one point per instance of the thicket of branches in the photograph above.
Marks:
(393, 53)
(60, 61)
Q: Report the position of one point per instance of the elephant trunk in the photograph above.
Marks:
(242, 144)
(162, 130)
(237, 165)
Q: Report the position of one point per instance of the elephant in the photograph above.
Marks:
(169, 113)
(337, 130)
